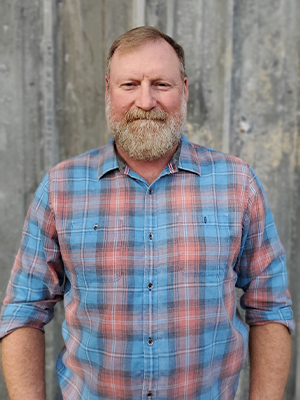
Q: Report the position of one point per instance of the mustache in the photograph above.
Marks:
(137, 114)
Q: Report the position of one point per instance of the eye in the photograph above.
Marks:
(128, 85)
(162, 85)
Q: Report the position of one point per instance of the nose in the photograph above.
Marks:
(145, 97)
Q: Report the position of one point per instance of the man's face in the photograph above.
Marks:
(146, 101)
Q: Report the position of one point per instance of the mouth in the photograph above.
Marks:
(142, 115)
(145, 119)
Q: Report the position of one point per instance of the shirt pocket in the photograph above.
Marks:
(203, 244)
(97, 252)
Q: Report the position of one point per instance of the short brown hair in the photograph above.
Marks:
(136, 37)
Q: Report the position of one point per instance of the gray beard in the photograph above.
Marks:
(147, 135)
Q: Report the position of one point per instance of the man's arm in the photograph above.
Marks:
(23, 360)
(270, 354)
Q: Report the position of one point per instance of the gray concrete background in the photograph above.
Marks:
(243, 64)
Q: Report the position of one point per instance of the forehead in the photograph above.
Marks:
(156, 57)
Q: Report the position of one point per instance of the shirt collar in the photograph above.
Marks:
(189, 160)
(185, 158)
(108, 161)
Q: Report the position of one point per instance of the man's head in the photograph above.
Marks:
(146, 93)
(136, 38)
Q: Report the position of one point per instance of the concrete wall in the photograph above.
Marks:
(243, 67)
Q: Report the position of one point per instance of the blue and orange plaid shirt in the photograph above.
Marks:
(148, 274)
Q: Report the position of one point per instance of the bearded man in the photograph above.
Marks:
(146, 239)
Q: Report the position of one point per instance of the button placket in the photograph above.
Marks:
(150, 318)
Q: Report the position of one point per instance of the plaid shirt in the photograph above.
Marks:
(148, 274)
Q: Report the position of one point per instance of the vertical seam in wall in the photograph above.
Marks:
(139, 13)
(296, 205)
(20, 7)
(170, 18)
(51, 156)
(227, 94)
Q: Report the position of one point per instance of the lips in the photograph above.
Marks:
(145, 119)
(142, 115)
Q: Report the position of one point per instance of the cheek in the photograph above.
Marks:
(171, 101)
(173, 105)
(120, 105)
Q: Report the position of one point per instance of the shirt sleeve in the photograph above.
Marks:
(38, 274)
(261, 265)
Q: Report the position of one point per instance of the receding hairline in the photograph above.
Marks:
(127, 49)
(136, 38)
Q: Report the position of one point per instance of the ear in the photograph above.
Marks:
(186, 89)
(106, 87)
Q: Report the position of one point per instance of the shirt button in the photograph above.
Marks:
(150, 342)
(149, 395)
(150, 192)
(150, 236)
(150, 286)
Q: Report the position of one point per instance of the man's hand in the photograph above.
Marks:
(270, 355)
(23, 359)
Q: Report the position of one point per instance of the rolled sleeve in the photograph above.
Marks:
(261, 267)
(37, 276)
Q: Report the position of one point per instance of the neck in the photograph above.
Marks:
(149, 170)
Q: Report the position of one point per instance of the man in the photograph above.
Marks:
(146, 239)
